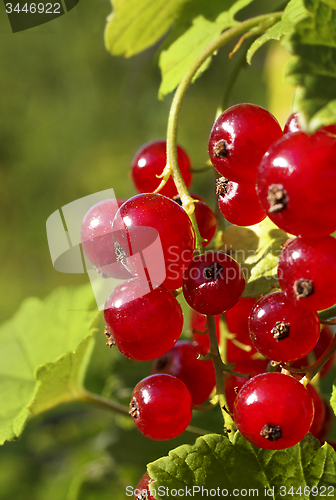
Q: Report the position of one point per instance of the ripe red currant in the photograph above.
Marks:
(181, 361)
(198, 323)
(292, 125)
(240, 348)
(154, 238)
(238, 140)
(239, 203)
(205, 218)
(296, 184)
(307, 272)
(319, 411)
(150, 161)
(142, 491)
(324, 341)
(213, 282)
(144, 324)
(96, 238)
(233, 383)
(161, 406)
(273, 411)
(281, 331)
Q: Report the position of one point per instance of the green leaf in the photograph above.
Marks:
(183, 52)
(135, 25)
(214, 462)
(294, 12)
(313, 69)
(36, 372)
(257, 249)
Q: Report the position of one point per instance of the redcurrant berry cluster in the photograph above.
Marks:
(149, 242)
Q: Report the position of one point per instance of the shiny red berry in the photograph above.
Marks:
(296, 184)
(205, 218)
(281, 331)
(273, 411)
(213, 282)
(150, 160)
(239, 138)
(154, 238)
(239, 203)
(142, 491)
(161, 407)
(181, 361)
(144, 324)
(307, 272)
(97, 241)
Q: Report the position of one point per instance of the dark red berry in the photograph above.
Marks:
(213, 283)
(161, 407)
(239, 348)
(205, 218)
(142, 490)
(239, 203)
(239, 138)
(198, 323)
(307, 272)
(150, 160)
(296, 184)
(324, 341)
(292, 125)
(281, 331)
(319, 411)
(273, 411)
(97, 241)
(154, 238)
(181, 361)
(327, 422)
(144, 324)
(233, 383)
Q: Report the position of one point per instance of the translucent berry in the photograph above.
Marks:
(144, 324)
(281, 331)
(150, 161)
(213, 282)
(273, 411)
(296, 184)
(181, 361)
(154, 238)
(239, 203)
(238, 140)
(161, 407)
(97, 241)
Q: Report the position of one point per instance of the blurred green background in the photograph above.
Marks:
(72, 118)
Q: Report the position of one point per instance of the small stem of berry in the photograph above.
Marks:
(218, 366)
(317, 366)
(172, 165)
(89, 397)
(328, 314)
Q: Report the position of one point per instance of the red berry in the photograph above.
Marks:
(96, 238)
(181, 361)
(205, 218)
(212, 283)
(324, 341)
(154, 238)
(239, 138)
(319, 411)
(161, 407)
(233, 383)
(292, 125)
(144, 323)
(150, 161)
(240, 348)
(327, 422)
(142, 490)
(296, 184)
(307, 272)
(198, 322)
(281, 331)
(239, 203)
(273, 411)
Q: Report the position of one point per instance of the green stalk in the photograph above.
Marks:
(172, 165)
(218, 366)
